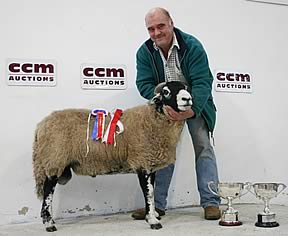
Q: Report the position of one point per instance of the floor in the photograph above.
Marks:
(177, 222)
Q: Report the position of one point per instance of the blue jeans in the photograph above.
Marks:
(205, 164)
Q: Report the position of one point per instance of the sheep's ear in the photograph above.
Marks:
(157, 99)
(159, 87)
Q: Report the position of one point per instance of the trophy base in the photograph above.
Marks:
(267, 224)
(266, 221)
(230, 219)
(231, 223)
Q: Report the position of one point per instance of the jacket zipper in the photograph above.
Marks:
(155, 68)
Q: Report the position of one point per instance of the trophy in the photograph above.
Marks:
(229, 191)
(267, 191)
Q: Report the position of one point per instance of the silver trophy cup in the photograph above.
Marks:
(267, 191)
(229, 192)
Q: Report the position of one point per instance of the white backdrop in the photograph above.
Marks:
(251, 131)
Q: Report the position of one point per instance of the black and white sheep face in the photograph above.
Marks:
(173, 94)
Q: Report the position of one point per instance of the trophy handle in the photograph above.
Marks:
(283, 187)
(212, 191)
(246, 186)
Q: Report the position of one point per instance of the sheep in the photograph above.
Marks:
(147, 144)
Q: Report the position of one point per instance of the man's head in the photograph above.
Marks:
(160, 27)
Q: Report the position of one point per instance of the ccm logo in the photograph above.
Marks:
(31, 68)
(103, 72)
(222, 76)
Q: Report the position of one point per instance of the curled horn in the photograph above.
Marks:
(157, 99)
(159, 87)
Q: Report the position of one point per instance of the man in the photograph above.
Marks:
(171, 54)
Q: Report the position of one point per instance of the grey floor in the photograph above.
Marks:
(177, 222)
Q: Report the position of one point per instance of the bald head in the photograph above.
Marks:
(158, 11)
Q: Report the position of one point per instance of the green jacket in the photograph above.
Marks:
(195, 68)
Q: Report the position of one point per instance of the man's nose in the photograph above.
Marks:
(157, 32)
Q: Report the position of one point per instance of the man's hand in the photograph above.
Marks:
(174, 115)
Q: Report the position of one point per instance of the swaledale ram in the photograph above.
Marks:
(147, 144)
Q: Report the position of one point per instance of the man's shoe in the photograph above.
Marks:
(212, 213)
(140, 213)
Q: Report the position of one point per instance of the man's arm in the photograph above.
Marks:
(200, 78)
(145, 80)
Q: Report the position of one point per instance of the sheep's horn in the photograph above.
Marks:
(159, 87)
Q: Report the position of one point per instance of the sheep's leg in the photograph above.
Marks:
(46, 211)
(65, 177)
(146, 181)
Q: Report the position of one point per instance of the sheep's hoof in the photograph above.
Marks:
(51, 228)
(156, 226)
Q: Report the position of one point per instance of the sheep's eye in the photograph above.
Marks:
(166, 92)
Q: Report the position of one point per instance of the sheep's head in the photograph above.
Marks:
(174, 94)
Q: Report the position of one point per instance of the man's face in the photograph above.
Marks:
(160, 29)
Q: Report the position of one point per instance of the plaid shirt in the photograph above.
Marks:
(172, 67)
